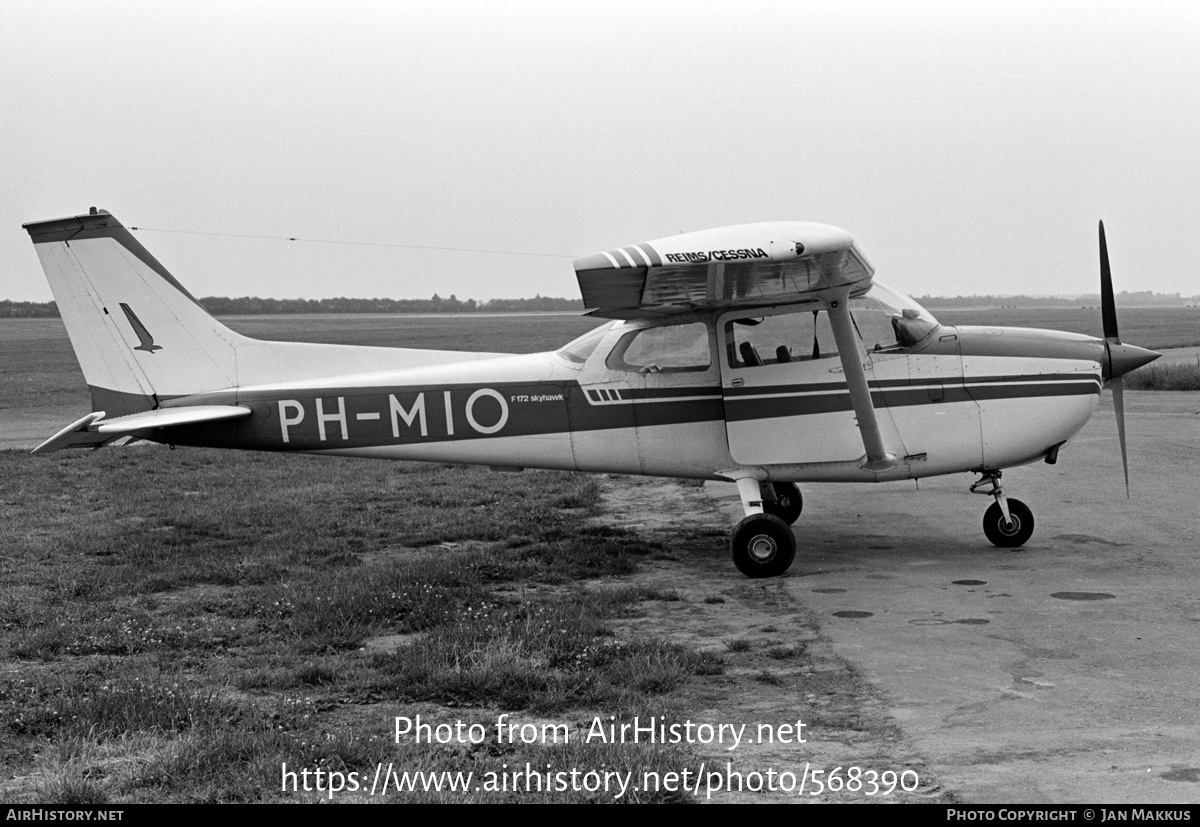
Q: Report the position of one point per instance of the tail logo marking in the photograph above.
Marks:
(147, 341)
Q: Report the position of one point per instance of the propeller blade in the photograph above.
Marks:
(1118, 395)
(1119, 358)
(1108, 305)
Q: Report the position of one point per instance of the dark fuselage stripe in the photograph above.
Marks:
(948, 382)
(326, 418)
(807, 404)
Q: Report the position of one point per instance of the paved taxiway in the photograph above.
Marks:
(1064, 671)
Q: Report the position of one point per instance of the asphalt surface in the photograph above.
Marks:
(1066, 671)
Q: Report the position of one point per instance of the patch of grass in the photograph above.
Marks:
(1169, 376)
(336, 612)
(231, 765)
(559, 561)
(709, 663)
(785, 652)
(149, 702)
(664, 595)
(67, 776)
(316, 674)
(713, 599)
(767, 676)
(738, 645)
(547, 656)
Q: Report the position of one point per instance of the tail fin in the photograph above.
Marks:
(140, 337)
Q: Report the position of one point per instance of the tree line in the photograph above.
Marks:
(252, 305)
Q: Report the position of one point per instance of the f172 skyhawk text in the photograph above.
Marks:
(762, 354)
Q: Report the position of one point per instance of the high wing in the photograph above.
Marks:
(745, 265)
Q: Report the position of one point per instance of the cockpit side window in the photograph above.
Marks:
(788, 337)
(672, 348)
(885, 321)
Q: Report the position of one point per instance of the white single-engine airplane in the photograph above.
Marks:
(763, 354)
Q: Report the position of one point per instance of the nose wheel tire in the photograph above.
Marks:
(1008, 534)
(789, 502)
(763, 546)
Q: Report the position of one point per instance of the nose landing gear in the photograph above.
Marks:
(1007, 523)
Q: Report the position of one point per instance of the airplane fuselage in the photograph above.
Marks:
(963, 399)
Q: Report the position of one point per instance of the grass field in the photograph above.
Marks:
(177, 630)
(40, 368)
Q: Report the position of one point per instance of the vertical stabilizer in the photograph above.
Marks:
(140, 337)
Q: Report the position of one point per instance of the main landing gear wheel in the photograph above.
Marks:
(763, 546)
(789, 502)
(1004, 533)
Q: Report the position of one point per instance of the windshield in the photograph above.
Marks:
(887, 319)
(898, 303)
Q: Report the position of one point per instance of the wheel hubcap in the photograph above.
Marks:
(1009, 529)
(762, 548)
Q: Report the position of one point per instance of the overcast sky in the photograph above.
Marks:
(968, 147)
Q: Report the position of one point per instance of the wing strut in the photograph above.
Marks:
(878, 458)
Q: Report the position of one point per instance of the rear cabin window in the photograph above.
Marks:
(578, 350)
(673, 348)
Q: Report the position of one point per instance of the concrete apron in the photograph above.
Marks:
(1067, 671)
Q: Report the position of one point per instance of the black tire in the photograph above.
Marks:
(789, 502)
(1008, 535)
(763, 546)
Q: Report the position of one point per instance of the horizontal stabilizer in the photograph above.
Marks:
(168, 417)
(747, 265)
(95, 431)
(75, 435)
